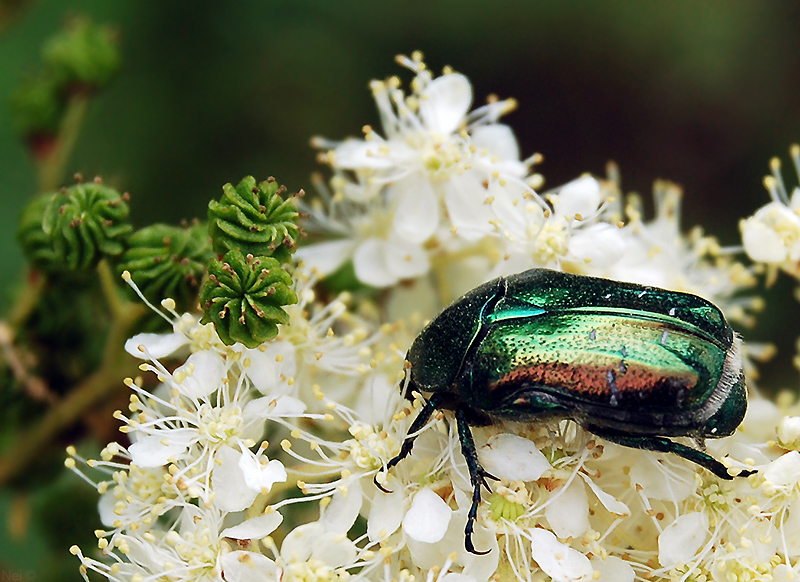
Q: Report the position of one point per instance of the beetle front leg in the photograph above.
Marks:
(477, 476)
(408, 443)
(665, 445)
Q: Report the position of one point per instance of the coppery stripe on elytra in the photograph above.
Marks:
(640, 382)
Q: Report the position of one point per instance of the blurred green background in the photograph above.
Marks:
(702, 93)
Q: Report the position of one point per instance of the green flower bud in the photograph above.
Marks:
(254, 219)
(38, 108)
(243, 297)
(30, 234)
(85, 55)
(83, 223)
(168, 261)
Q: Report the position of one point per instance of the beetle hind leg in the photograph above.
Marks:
(665, 445)
(477, 476)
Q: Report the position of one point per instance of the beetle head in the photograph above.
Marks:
(436, 356)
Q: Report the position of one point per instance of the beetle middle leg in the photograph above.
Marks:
(477, 476)
(665, 445)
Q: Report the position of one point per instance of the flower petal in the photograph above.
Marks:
(581, 196)
(324, 258)
(762, 243)
(386, 512)
(610, 502)
(613, 569)
(498, 140)
(785, 470)
(268, 370)
(568, 510)
(258, 476)
(512, 457)
(557, 560)
(600, 244)
(241, 566)
(680, 540)
(157, 345)
(228, 482)
(465, 198)
(201, 374)
(428, 518)
(357, 154)
(417, 212)
(370, 265)
(341, 513)
(156, 451)
(444, 103)
(254, 528)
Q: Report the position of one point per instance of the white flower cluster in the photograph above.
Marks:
(441, 201)
(772, 234)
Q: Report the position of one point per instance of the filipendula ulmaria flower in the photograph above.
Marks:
(772, 234)
(255, 219)
(243, 298)
(401, 196)
(168, 261)
(75, 227)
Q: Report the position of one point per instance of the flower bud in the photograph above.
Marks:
(168, 261)
(789, 432)
(84, 56)
(75, 227)
(243, 297)
(254, 219)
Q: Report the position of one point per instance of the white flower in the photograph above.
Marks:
(658, 253)
(428, 517)
(427, 177)
(513, 458)
(772, 234)
(557, 560)
(569, 233)
(681, 539)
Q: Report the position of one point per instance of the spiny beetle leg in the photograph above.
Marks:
(664, 445)
(408, 444)
(477, 476)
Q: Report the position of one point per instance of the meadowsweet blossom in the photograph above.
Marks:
(772, 234)
(272, 463)
(396, 196)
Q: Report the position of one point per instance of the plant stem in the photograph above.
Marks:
(51, 168)
(26, 301)
(107, 378)
(116, 305)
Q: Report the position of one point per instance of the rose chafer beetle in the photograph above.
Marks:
(634, 365)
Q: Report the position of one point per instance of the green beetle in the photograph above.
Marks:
(631, 364)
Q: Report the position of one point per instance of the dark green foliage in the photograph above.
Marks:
(254, 219)
(168, 261)
(243, 297)
(75, 227)
(84, 56)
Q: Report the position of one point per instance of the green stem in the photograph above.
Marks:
(26, 301)
(107, 378)
(51, 168)
(116, 305)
